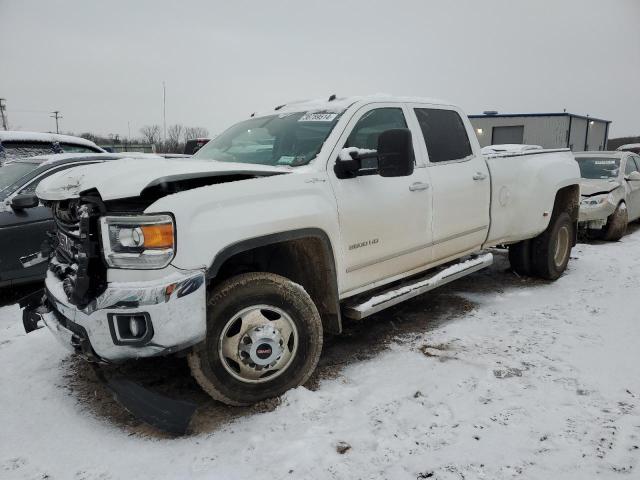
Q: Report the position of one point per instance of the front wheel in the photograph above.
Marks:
(552, 248)
(264, 336)
(616, 225)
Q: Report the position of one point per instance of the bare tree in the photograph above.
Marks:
(151, 133)
(195, 132)
(174, 139)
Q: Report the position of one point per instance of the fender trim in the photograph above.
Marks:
(329, 306)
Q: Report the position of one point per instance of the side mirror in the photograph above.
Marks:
(20, 202)
(633, 177)
(395, 153)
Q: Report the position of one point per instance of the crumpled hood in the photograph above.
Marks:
(129, 177)
(590, 186)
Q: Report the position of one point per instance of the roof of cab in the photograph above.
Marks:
(335, 104)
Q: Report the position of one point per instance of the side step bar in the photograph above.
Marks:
(403, 292)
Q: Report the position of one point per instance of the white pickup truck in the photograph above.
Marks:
(243, 257)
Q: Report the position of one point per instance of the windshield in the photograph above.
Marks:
(11, 173)
(599, 168)
(291, 139)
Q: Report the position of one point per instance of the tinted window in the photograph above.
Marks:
(73, 148)
(444, 134)
(366, 132)
(13, 150)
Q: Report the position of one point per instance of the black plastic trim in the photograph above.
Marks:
(251, 243)
(138, 342)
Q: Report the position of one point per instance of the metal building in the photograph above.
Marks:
(550, 130)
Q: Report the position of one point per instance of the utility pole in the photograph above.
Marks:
(164, 113)
(56, 115)
(3, 106)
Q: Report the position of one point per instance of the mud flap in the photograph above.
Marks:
(31, 310)
(155, 409)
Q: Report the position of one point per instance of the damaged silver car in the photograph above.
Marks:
(610, 190)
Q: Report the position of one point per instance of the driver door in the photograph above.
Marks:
(385, 223)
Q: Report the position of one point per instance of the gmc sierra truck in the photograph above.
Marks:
(243, 257)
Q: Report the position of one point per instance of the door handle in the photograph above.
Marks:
(417, 186)
(479, 176)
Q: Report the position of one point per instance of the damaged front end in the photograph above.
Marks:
(112, 321)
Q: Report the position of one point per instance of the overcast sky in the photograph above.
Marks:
(102, 63)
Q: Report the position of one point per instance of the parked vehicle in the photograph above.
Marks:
(23, 220)
(247, 255)
(193, 145)
(15, 144)
(630, 147)
(610, 190)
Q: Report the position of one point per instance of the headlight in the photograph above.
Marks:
(597, 200)
(143, 241)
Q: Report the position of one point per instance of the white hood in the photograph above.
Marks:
(128, 177)
(592, 186)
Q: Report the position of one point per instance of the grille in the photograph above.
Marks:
(76, 246)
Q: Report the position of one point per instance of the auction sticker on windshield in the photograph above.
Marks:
(318, 117)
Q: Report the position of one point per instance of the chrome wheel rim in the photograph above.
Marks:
(258, 344)
(562, 246)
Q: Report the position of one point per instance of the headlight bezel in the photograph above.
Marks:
(126, 257)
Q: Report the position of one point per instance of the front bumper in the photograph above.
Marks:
(595, 217)
(174, 309)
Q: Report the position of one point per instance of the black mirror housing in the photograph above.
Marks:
(395, 153)
(20, 202)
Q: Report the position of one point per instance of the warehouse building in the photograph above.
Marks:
(550, 130)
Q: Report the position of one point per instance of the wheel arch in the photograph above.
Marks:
(567, 199)
(304, 256)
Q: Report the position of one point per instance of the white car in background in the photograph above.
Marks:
(14, 145)
(610, 192)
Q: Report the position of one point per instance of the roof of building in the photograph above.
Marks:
(551, 114)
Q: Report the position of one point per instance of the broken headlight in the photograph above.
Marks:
(141, 241)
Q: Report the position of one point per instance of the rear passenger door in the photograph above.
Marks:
(461, 185)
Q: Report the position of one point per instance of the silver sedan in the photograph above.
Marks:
(610, 191)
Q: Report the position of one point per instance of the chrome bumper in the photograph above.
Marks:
(174, 307)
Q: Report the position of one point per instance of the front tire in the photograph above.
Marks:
(264, 337)
(552, 248)
(616, 225)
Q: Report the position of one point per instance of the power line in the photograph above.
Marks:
(56, 115)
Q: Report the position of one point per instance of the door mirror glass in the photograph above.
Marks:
(633, 176)
(20, 202)
(395, 153)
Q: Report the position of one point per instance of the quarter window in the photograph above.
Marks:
(444, 134)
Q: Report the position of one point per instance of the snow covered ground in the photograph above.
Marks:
(530, 380)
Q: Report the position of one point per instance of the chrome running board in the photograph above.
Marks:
(400, 293)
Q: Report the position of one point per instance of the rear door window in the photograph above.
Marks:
(13, 150)
(444, 134)
(74, 148)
